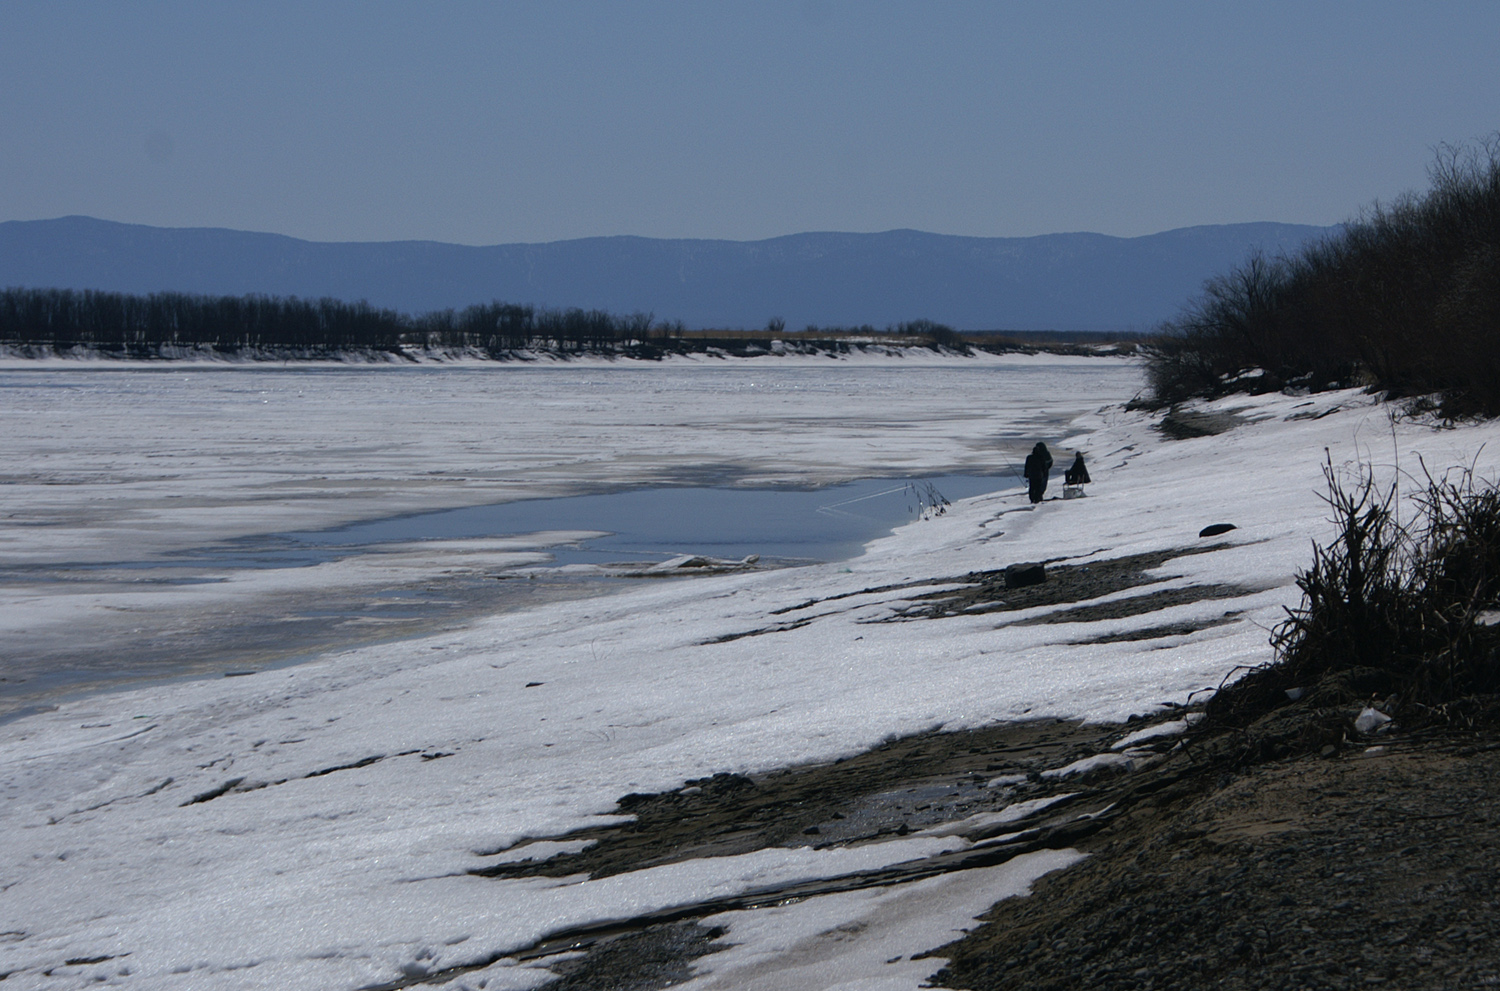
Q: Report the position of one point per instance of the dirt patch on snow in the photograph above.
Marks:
(897, 788)
(1350, 863)
(1033, 776)
(1065, 584)
(1163, 631)
(655, 957)
(985, 591)
(1182, 424)
(1139, 605)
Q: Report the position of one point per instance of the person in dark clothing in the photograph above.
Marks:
(1038, 467)
(1078, 474)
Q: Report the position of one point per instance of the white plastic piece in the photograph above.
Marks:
(1370, 721)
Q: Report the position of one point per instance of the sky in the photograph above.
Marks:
(487, 123)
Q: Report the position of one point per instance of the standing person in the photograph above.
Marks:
(1038, 467)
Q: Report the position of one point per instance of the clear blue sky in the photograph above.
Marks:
(484, 123)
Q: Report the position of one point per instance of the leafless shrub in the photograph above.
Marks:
(1400, 610)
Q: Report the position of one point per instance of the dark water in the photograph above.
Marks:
(782, 524)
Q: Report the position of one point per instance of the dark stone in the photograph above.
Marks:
(1214, 529)
(1022, 575)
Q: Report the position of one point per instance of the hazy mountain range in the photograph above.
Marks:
(1051, 282)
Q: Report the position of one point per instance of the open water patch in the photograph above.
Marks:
(785, 525)
(440, 584)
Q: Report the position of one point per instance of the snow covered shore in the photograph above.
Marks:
(313, 826)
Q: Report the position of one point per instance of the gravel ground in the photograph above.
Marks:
(1375, 866)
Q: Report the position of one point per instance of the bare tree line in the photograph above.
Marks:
(150, 325)
(1406, 298)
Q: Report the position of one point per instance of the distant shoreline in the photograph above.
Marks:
(719, 347)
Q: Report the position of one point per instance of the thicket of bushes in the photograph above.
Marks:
(143, 325)
(1407, 613)
(1405, 299)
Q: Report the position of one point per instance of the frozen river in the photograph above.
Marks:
(329, 823)
(162, 520)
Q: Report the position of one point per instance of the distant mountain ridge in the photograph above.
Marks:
(1050, 282)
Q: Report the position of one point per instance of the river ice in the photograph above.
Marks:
(339, 802)
(119, 477)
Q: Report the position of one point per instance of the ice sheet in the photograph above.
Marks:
(111, 463)
(105, 462)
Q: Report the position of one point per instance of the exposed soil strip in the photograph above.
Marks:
(1066, 583)
(362, 762)
(1184, 424)
(776, 628)
(1138, 605)
(897, 787)
(213, 793)
(1161, 632)
(872, 590)
(905, 784)
(237, 785)
(655, 957)
(985, 591)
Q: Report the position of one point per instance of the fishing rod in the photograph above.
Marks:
(932, 499)
(835, 509)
